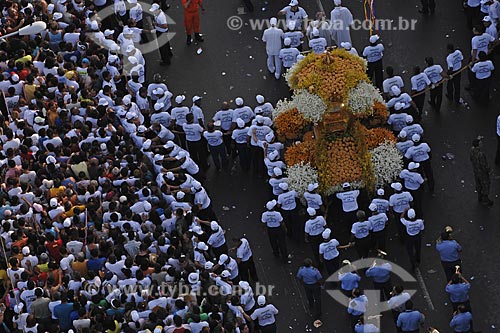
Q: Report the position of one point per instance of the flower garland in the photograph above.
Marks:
(376, 136)
(387, 163)
(361, 99)
(309, 105)
(290, 125)
(300, 176)
(301, 152)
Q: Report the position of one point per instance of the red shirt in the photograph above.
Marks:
(53, 248)
(193, 6)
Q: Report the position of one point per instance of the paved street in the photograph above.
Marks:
(233, 64)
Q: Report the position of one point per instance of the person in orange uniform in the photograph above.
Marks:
(192, 19)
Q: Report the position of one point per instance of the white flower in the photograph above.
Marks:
(362, 98)
(283, 105)
(309, 105)
(300, 176)
(387, 163)
(289, 73)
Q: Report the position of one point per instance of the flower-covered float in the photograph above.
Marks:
(333, 126)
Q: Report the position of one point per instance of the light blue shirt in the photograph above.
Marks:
(380, 274)
(461, 322)
(459, 292)
(309, 275)
(349, 281)
(409, 320)
(361, 230)
(449, 250)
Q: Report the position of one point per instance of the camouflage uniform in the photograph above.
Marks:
(481, 173)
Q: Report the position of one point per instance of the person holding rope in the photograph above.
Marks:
(454, 64)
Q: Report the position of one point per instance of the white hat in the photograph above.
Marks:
(141, 129)
(259, 119)
(112, 58)
(486, 19)
(395, 90)
(380, 191)
(18, 308)
(159, 106)
(214, 225)
(67, 222)
(37, 207)
(50, 160)
(374, 39)
(398, 106)
(373, 207)
(196, 185)
(103, 102)
(127, 99)
(158, 157)
(180, 195)
(225, 273)
(411, 213)
(132, 1)
(130, 48)
(413, 166)
(409, 119)
(337, 2)
(147, 144)
(273, 21)
(273, 155)
(158, 91)
(397, 186)
(277, 171)
(130, 115)
(260, 99)
(39, 120)
(244, 285)
(53, 202)
(326, 233)
(312, 187)
(202, 246)
(291, 25)
(197, 230)
(315, 32)
(154, 7)
(346, 185)
(133, 60)
(50, 8)
(346, 45)
(294, 3)
(147, 206)
(26, 250)
(415, 137)
(123, 199)
(15, 78)
(57, 16)
(196, 98)
(193, 278)
(223, 258)
(240, 122)
(287, 41)
(159, 329)
(108, 32)
(93, 25)
(311, 211)
(238, 101)
(261, 300)
(127, 31)
(209, 265)
(402, 134)
(169, 144)
(182, 154)
(283, 186)
(135, 315)
(271, 204)
(179, 99)
(170, 175)
(270, 137)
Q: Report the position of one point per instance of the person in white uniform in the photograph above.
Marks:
(294, 13)
(288, 55)
(317, 44)
(272, 37)
(373, 54)
(265, 316)
(341, 19)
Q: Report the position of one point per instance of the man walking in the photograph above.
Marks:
(373, 54)
(410, 320)
(192, 19)
(481, 171)
(272, 37)
(449, 251)
(161, 27)
(311, 280)
(454, 64)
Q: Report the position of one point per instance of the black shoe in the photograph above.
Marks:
(189, 40)
(198, 37)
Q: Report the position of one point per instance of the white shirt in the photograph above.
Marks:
(318, 45)
(378, 222)
(361, 229)
(313, 200)
(412, 180)
(272, 219)
(329, 249)
(419, 82)
(225, 117)
(480, 43)
(315, 226)
(243, 112)
(397, 302)
(297, 16)
(454, 60)
(288, 56)
(217, 239)
(434, 73)
(193, 131)
(244, 252)
(390, 82)
(483, 69)
(272, 37)
(413, 228)
(265, 315)
(418, 153)
(400, 201)
(287, 200)
(160, 19)
(214, 138)
(373, 53)
(136, 12)
(349, 200)
(179, 113)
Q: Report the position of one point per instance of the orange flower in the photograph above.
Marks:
(378, 135)
(301, 152)
(290, 125)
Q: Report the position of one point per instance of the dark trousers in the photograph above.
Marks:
(449, 268)
(293, 225)
(417, 201)
(428, 173)
(278, 242)
(414, 249)
(198, 152)
(268, 328)
(362, 246)
(314, 242)
(384, 287)
(453, 87)
(180, 139)
(219, 155)
(220, 250)
(481, 90)
(437, 97)
(244, 155)
(257, 160)
(208, 214)
(497, 156)
(164, 46)
(313, 294)
(247, 270)
(473, 16)
(378, 240)
(374, 71)
(332, 265)
(428, 6)
(419, 102)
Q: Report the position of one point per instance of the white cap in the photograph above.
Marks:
(214, 225)
(158, 157)
(93, 25)
(283, 186)
(260, 99)
(147, 206)
(53, 202)
(180, 195)
(411, 213)
(273, 21)
(103, 102)
(259, 119)
(277, 171)
(159, 106)
(273, 155)
(170, 175)
(26, 250)
(238, 101)
(182, 154)
(380, 191)
(373, 207)
(415, 137)
(486, 19)
(133, 60)
(169, 144)
(291, 24)
(50, 160)
(154, 7)
(240, 122)
(193, 278)
(244, 285)
(196, 185)
(346, 45)
(130, 115)
(374, 39)
(18, 308)
(130, 48)
(202, 246)
(197, 230)
(337, 2)
(127, 31)
(402, 134)
(409, 119)
(395, 91)
(294, 3)
(261, 300)
(315, 32)
(398, 106)
(57, 16)
(397, 186)
(158, 91)
(50, 8)
(326, 233)
(270, 137)
(135, 315)
(147, 144)
(311, 211)
(67, 222)
(108, 32)
(127, 99)
(39, 120)
(223, 258)
(159, 329)
(37, 207)
(196, 98)
(141, 129)
(346, 185)
(312, 187)
(413, 166)
(179, 99)
(123, 199)
(271, 204)
(287, 41)
(209, 265)
(225, 273)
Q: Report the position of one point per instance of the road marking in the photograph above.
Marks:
(422, 285)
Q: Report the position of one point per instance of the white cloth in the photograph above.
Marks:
(341, 19)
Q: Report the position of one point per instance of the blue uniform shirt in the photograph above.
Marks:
(449, 250)
(309, 275)
(410, 320)
(380, 274)
(349, 281)
(459, 292)
(366, 328)
(461, 322)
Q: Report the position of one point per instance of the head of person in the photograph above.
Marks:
(450, 48)
(409, 305)
(455, 279)
(361, 215)
(478, 29)
(416, 70)
(389, 71)
(482, 56)
(445, 236)
(429, 61)
(307, 262)
(476, 143)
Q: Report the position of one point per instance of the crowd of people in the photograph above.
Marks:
(106, 224)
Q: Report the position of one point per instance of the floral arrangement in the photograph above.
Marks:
(283, 106)
(301, 152)
(387, 163)
(376, 136)
(361, 99)
(309, 105)
(290, 124)
(300, 176)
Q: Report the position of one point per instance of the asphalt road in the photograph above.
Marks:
(232, 64)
